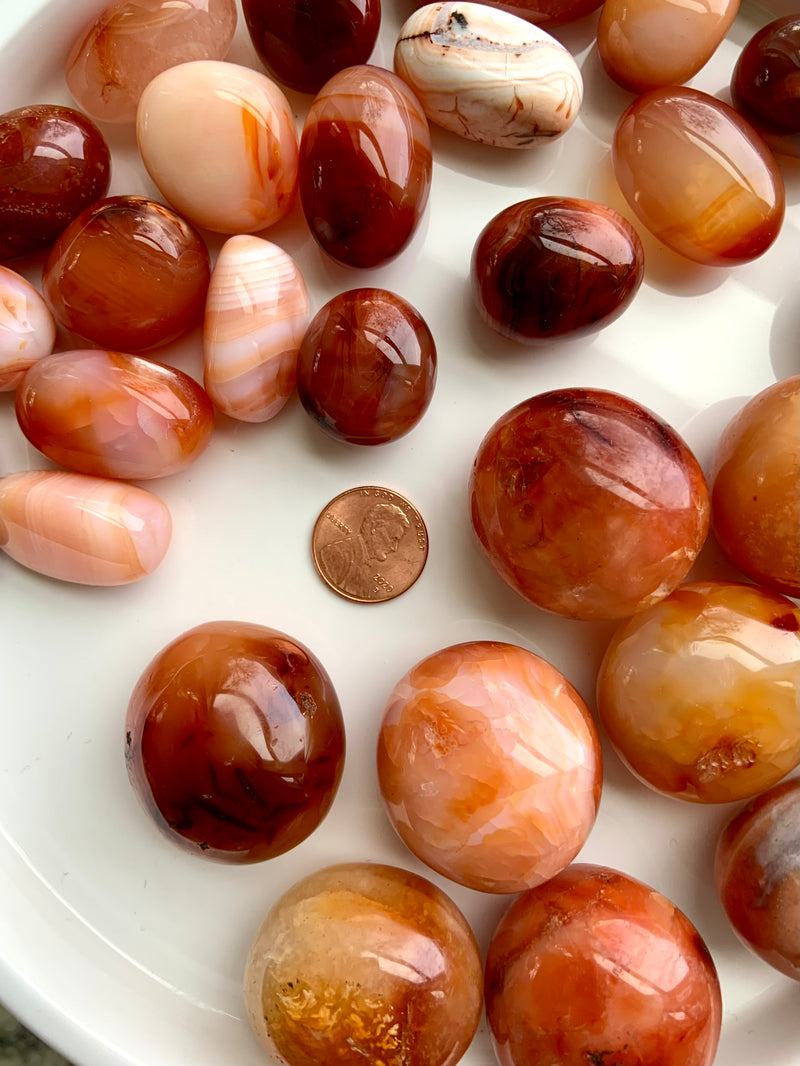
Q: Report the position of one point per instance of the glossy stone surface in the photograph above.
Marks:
(364, 963)
(765, 85)
(553, 267)
(367, 366)
(128, 274)
(54, 163)
(699, 694)
(489, 76)
(255, 318)
(757, 876)
(698, 176)
(594, 967)
(588, 504)
(365, 166)
(644, 44)
(489, 766)
(302, 43)
(114, 415)
(130, 41)
(545, 12)
(219, 141)
(235, 741)
(91, 531)
(755, 493)
(27, 329)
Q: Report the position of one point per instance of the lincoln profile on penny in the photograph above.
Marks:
(350, 562)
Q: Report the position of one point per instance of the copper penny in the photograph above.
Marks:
(369, 544)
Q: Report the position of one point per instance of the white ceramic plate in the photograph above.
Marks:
(115, 945)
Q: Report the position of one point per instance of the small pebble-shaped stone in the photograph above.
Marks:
(27, 329)
(587, 504)
(644, 44)
(219, 141)
(698, 176)
(365, 166)
(256, 316)
(489, 76)
(114, 415)
(489, 766)
(234, 741)
(302, 43)
(54, 162)
(765, 85)
(699, 693)
(123, 48)
(88, 530)
(363, 964)
(128, 274)
(755, 493)
(545, 12)
(554, 267)
(367, 367)
(757, 876)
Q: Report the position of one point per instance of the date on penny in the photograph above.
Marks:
(369, 544)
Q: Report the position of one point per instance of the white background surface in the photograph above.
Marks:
(116, 946)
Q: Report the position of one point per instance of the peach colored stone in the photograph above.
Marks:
(489, 766)
(27, 329)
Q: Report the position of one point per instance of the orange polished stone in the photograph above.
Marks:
(128, 274)
(362, 964)
(757, 876)
(699, 693)
(114, 415)
(594, 968)
(698, 176)
(755, 495)
(644, 44)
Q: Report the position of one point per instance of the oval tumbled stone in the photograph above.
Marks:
(698, 176)
(489, 76)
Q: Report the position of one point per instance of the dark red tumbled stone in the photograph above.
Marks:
(302, 43)
(128, 274)
(367, 366)
(235, 741)
(365, 166)
(553, 266)
(765, 86)
(587, 504)
(54, 163)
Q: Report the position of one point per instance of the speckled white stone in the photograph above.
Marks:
(489, 76)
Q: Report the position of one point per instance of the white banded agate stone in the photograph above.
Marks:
(257, 312)
(488, 75)
(88, 530)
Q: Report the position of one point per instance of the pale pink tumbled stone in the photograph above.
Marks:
(88, 530)
(256, 316)
(27, 329)
(489, 766)
(130, 41)
(219, 140)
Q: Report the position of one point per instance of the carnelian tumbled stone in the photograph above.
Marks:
(302, 43)
(699, 693)
(698, 176)
(587, 504)
(489, 766)
(365, 166)
(114, 415)
(757, 876)
(128, 274)
(54, 163)
(765, 85)
(367, 366)
(555, 266)
(755, 493)
(595, 968)
(362, 963)
(235, 741)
